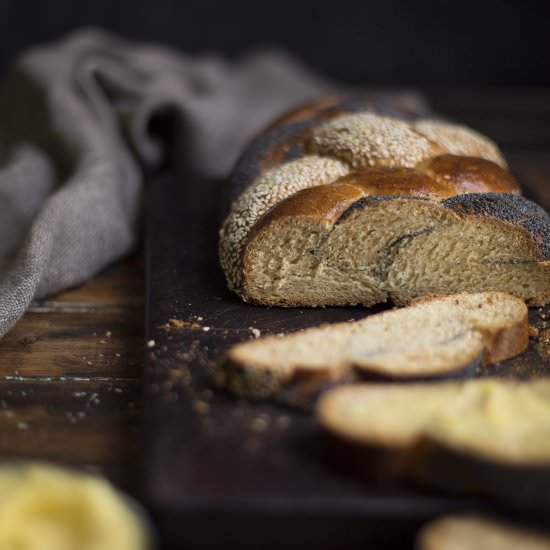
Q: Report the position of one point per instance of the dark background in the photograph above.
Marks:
(427, 43)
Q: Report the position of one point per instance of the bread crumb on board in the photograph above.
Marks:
(178, 324)
(260, 424)
(201, 407)
(255, 332)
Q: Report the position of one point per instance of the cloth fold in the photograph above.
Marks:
(79, 132)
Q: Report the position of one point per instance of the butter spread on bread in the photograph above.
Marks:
(486, 437)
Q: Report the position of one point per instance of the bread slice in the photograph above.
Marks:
(337, 245)
(432, 338)
(478, 533)
(486, 437)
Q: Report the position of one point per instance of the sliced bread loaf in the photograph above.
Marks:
(344, 203)
(376, 249)
(486, 437)
(478, 533)
(432, 338)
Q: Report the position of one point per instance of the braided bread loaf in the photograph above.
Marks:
(342, 203)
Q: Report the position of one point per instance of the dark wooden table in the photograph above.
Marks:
(70, 377)
(70, 370)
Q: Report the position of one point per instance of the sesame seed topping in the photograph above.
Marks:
(366, 139)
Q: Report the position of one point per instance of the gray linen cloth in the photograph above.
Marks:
(76, 145)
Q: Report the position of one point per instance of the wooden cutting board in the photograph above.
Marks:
(223, 473)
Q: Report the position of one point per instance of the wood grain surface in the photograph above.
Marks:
(70, 393)
(70, 377)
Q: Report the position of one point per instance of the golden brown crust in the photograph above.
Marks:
(437, 180)
(469, 175)
(323, 203)
(507, 342)
(398, 182)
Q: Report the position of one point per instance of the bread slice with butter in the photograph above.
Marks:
(486, 437)
(479, 533)
(434, 337)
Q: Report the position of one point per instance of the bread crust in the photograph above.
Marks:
(502, 343)
(506, 342)
(464, 174)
